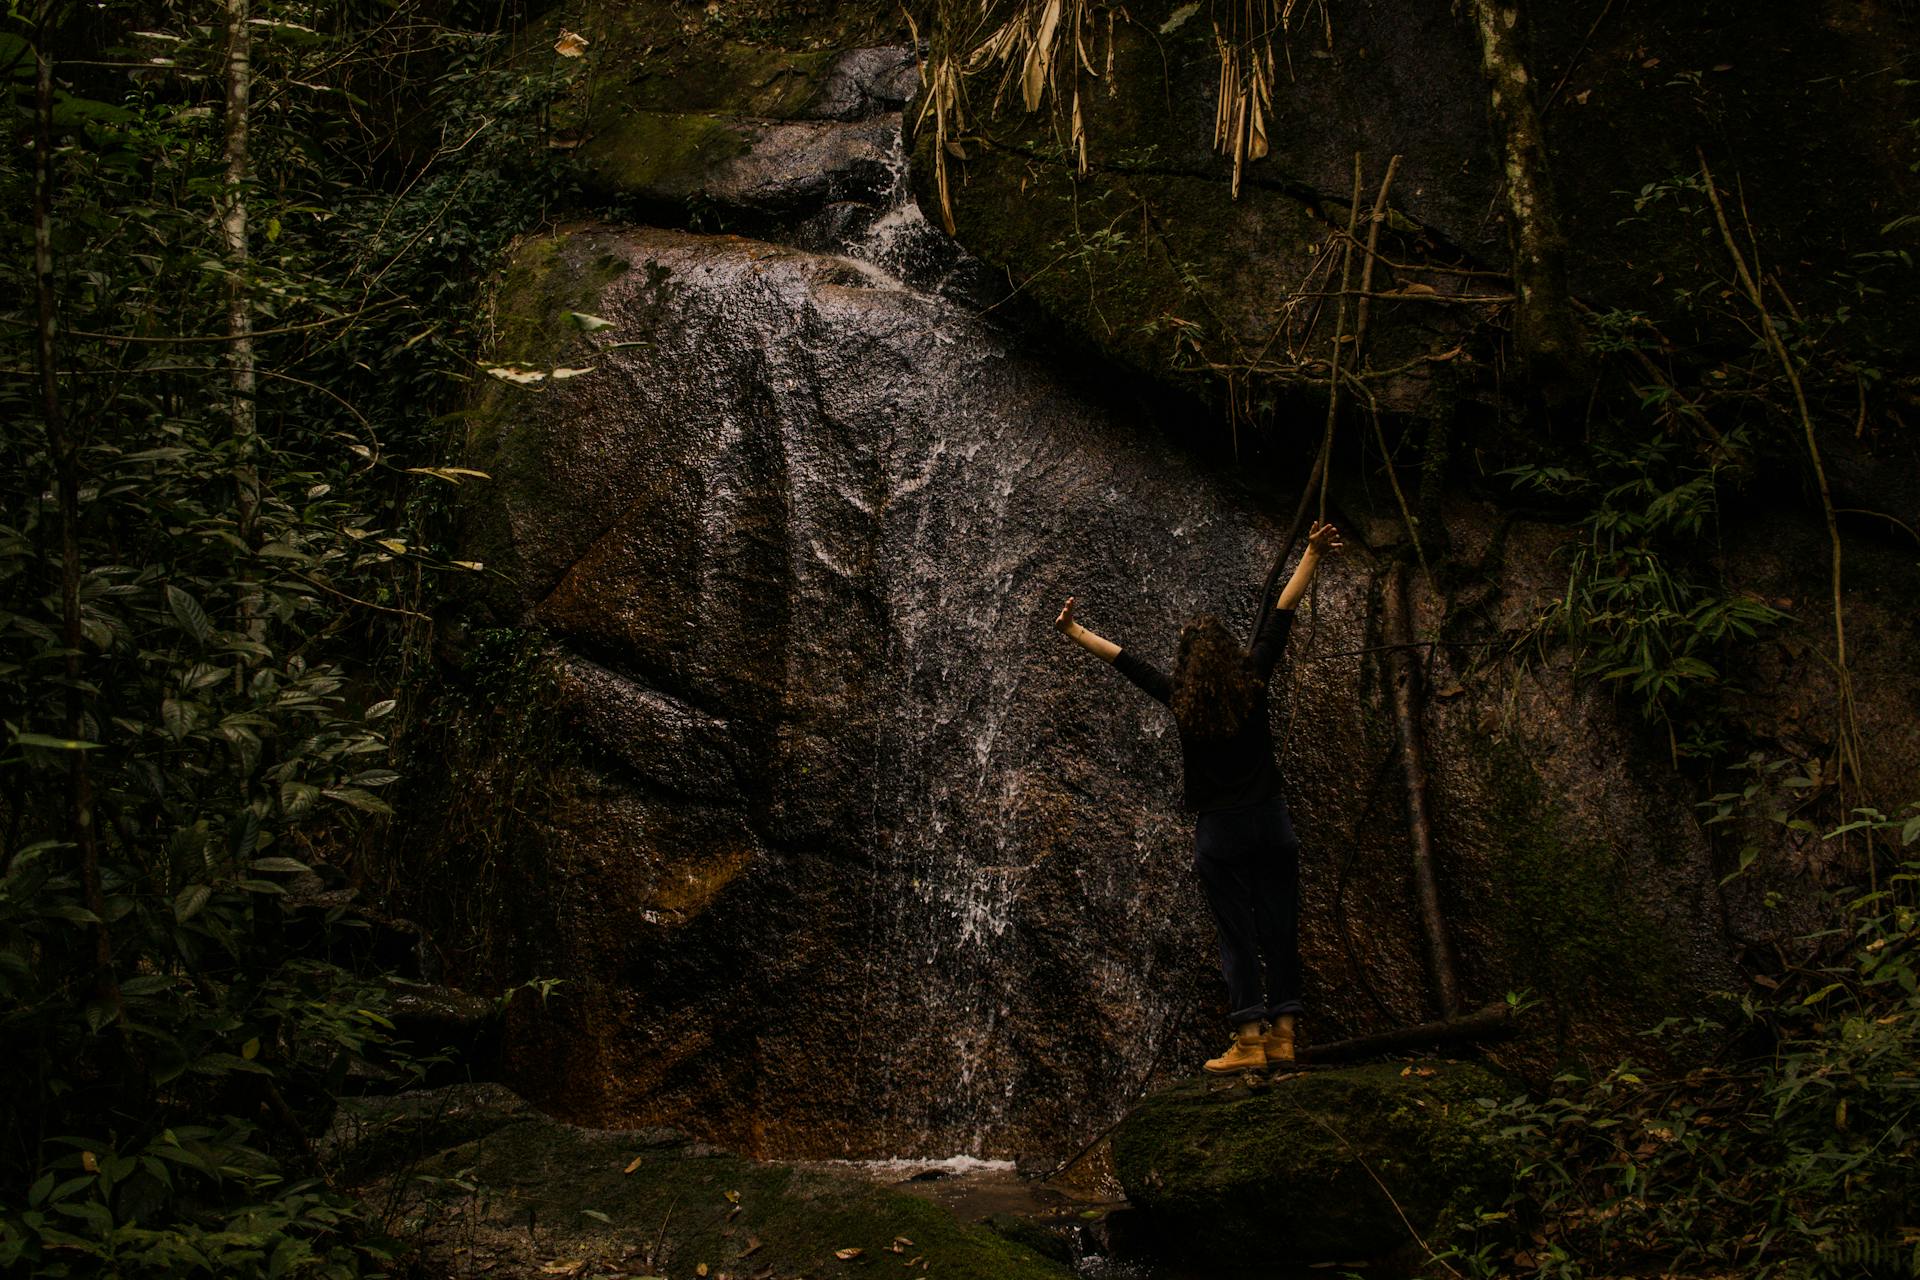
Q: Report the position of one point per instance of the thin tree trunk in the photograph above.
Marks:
(1406, 714)
(1546, 336)
(233, 233)
(66, 464)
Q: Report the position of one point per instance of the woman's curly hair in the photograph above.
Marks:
(1213, 693)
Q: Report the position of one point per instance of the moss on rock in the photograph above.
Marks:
(1238, 1175)
(1578, 933)
(534, 1192)
(662, 154)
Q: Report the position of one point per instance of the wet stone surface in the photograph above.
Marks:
(841, 851)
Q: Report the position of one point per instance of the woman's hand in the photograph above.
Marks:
(1064, 623)
(1100, 647)
(1323, 537)
(1320, 538)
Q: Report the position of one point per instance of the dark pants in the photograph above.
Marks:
(1249, 864)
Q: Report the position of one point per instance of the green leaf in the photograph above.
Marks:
(52, 743)
(100, 1014)
(297, 797)
(591, 324)
(189, 901)
(188, 613)
(293, 865)
(354, 797)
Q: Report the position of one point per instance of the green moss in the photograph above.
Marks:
(1154, 270)
(1237, 1174)
(733, 79)
(661, 154)
(612, 1194)
(548, 277)
(1577, 930)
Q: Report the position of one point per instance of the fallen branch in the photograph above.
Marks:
(1492, 1022)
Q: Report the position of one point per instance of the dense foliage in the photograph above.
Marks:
(1790, 1151)
(218, 529)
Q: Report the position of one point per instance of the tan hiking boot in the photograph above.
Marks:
(1278, 1042)
(1244, 1054)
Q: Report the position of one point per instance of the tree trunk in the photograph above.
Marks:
(1406, 715)
(1546, 336)
(233, 232)
(66, 463)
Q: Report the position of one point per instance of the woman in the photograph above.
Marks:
(1244, 847)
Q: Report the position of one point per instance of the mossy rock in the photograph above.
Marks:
(666, 97)
(1237, 1174)
(533, 1193)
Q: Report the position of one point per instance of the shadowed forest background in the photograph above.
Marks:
(533, 742)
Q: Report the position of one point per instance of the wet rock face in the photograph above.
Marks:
(839, 848)
(855, 851)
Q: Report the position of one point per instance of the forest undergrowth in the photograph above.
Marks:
(253, 238)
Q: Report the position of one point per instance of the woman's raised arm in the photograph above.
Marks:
(1099, 646)
(1322, 537)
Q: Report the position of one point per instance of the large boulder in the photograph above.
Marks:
(835, 846)
(1330, 1166)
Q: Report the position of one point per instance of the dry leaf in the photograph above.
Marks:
(563, 1268)
(633, 1164)
(845, 1254)
(570, 44)
(520, 377)
(700, 1270)
(1178, 18)
(1040, 56)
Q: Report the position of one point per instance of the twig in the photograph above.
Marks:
(365, 604)
(1339, 336)
(1849, 747)
(1374, 220)
(1574, 60)
(229, 337)
(1362, 1162)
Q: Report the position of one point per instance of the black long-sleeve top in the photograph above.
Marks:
(1224, 773)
